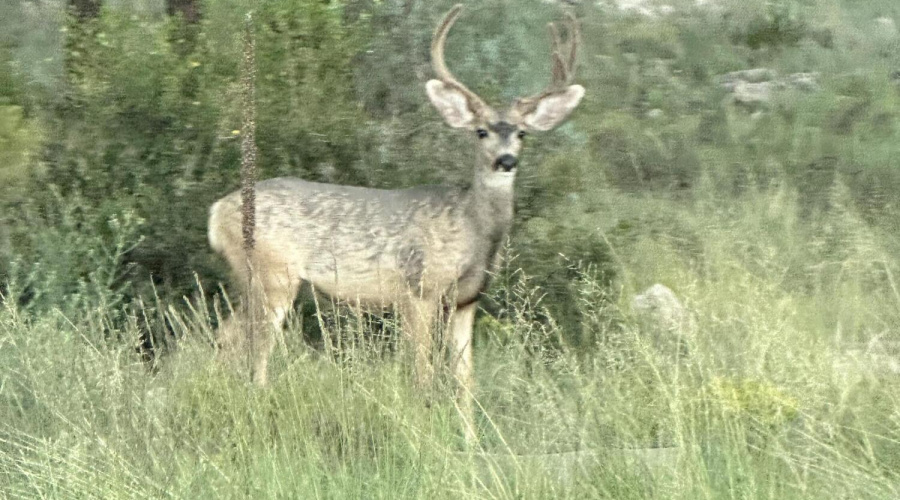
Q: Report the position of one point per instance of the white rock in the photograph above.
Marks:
(641, 7)
(660, 302)
(886, 26)
(753, 75)
(754, 94)
(804, 81)
(666, 10)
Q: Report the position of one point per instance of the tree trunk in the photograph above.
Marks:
(189, 9)
(85, 9)
(80, 43)
(408, 7)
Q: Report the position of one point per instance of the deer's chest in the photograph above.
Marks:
(475, 276)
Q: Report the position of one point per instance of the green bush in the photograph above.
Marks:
(142, 124)
(20, 141)
(146, 128)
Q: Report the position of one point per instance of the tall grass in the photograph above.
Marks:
(766, 401)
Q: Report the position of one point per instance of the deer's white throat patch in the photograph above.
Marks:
(500, 180)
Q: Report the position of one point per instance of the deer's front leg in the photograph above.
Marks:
(460, 329)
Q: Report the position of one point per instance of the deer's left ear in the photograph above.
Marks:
(553, 108)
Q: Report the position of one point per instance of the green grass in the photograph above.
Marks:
(766, 404)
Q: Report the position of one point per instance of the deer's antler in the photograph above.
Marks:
(440, 67)
(562, 63)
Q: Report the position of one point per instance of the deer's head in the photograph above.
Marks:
(500, 134)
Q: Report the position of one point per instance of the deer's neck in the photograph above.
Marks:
(490, 205)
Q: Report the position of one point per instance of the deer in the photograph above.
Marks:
(426, 252)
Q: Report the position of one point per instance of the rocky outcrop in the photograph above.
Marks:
(757, 87)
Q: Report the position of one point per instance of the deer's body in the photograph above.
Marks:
(419, 250)
(370, 246)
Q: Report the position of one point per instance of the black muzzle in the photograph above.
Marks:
(506, 163)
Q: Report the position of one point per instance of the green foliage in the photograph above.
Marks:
(76, 271)
(776, 227)
(20, 139)
(648, 40)
(147, 128)
(645, 157)
(145, 125)
(780, 25)
(760, 402)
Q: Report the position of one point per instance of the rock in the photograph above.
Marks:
(660, 303)
(754, 94)
(885, 27)
(873, 358)
(666, 10)
(754, 75)
(804, 81)
(755, 88)
(664, 317)
(655, 113)
(640, 7)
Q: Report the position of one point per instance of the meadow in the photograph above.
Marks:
(773, 216)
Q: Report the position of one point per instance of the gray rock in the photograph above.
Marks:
(754, 94)
(873, 358)
(665, 318)
(804, 81)
(756, 88)
(754, 75)
(885, 27)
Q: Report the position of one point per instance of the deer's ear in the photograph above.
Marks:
(451, 103)
(552, 109)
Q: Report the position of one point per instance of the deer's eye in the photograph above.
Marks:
(481, 133)
(522, 134)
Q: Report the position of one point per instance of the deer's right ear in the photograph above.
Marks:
(451, 102)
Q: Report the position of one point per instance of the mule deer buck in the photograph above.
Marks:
(422, 250)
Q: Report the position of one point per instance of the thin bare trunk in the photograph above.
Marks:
(81, 43)
(189, 9)
(408, 7)
(248, 194)
(248, 139)
(85, 9)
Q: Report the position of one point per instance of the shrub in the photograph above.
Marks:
(146, 128)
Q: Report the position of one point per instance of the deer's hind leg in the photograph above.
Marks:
(275, 293)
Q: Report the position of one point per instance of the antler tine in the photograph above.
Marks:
(558, 68)
(562, 67)
(555, 39)
(437, 56)
(574, 41)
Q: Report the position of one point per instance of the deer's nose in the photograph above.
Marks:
(506, 163)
